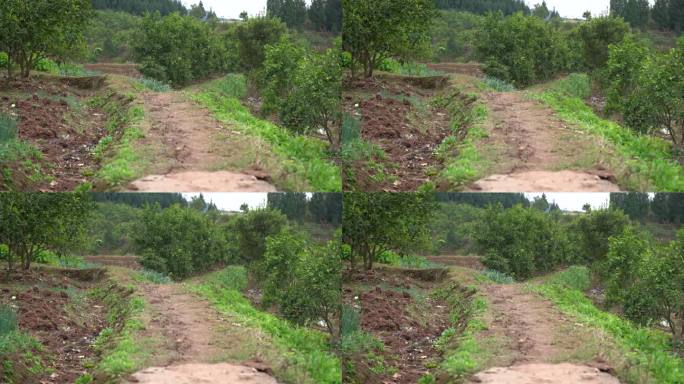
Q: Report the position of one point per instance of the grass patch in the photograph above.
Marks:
(648, 351)
(407, 69)
(152, 277)
(358, 153)
(649, 159)
(153, 85)
(20, 160)
(122, 349)
(20, 359)
(307, 351)
(497, 277)
(120, 159)
(305, 160)
(407, 261)
(8, 128)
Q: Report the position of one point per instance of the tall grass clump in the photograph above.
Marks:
(498, 84)
(8, 320)
(154, 85)
(497, 277)
(8, 128)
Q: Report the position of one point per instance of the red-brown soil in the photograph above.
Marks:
(65, 325)
(391, 120)
(189, 136)
(393, 316)
(63, 134)
(537, 144)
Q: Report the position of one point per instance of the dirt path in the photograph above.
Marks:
(191, 144)
(193, 328)
(537, 340)
(536, 146)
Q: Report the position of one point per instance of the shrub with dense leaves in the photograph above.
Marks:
(179, 241)
(251, 228)
(522, 242)
(522, 49)
(622, 71)
(596, 35)
(178, 49)
(304, 87)
(593, 230)
(251, 38)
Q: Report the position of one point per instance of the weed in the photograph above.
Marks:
(154, 85)
(649, 350)
(498, 85)
(498, 277)
(8, 128)
(307, 349)
(349, 320)
(304, 157)
(647, 157)
(154, 277)
(8, 320)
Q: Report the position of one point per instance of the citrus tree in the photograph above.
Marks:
(35, 29)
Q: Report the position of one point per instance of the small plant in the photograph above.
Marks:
(8, 320)
(349, 320)
(8, 128)
(498, 84)
(497, 277)
(154, 85)
(155, 277)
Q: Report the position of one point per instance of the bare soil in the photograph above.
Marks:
(537, 145)
(472, 262)
(64, 133)
(193, 330)
(190, 136)
(397, 117)
(407, 326)
(130, 262)
(124, 69)
(470, 69)
(65, 325)
(544, 373)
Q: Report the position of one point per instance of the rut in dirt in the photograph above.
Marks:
(193, 329)
(538, 338)
(536, 144)
(191, 145)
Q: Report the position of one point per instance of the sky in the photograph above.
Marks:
(231, 9)
(232, 201)
(575, 8)
(575, 201)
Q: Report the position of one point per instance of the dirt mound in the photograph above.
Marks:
(538, 181)
(221, 181)
(202, 373)
(544, 373)
(130, 70)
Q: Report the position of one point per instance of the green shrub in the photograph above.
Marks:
(350, 320)
(596, 35)
(593, 230)
(4, 60)
(251, 230)
(252, 37)
(522, 49)
(178, 49)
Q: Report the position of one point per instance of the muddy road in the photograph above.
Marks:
(192, 149)
(539, 150)
(195, 342)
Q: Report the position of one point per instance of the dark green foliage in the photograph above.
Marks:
(292, 12)
(251, 228)
(179, 242)
(373, 31)
(303, 279)
(522, 49)
(307, 99)
(593, 231)
(377, 222)
(293, 205)
(33, 30)
(482, 7)
(668, 207)
(669, 14)
(110, 229)
(139, 200)
(8, 128)
(326, 15)
(635, 12)
(454, 34)
(178, 49)
(507, 200)
(622, 71)
(8, 320)
(634, 204)
(326, 208)
(596, 35)
(252, 37)
(139, 7)
(34, 222)
(522, 242)
(110, 34)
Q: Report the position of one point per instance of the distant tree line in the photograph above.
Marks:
(139, 7)
(663, 207)
(482, 200)
(319, 208)
(322, 14)
(508, 7)
(139, 200)
(665, 14)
